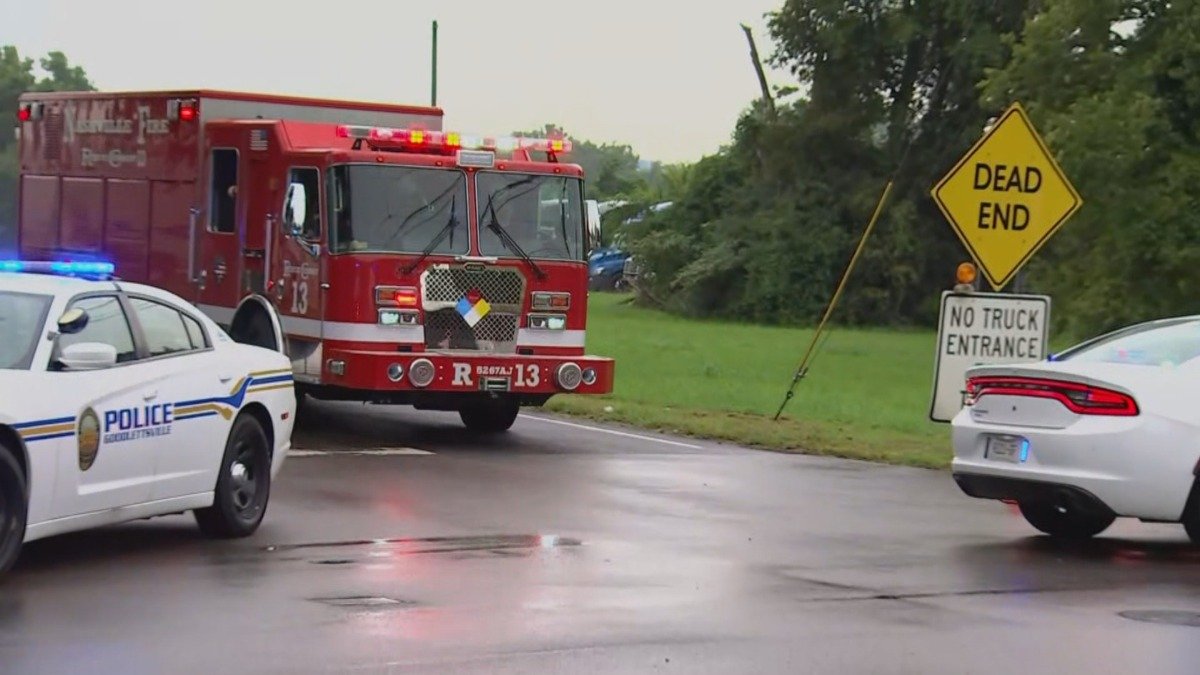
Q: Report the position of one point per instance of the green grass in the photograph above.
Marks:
(866, 395)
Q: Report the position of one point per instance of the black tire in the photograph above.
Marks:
(490, 417)
(1191, 524)
(301, 398)
(14, 508)
(1191, 515)
(243, 483)
(1064, 523)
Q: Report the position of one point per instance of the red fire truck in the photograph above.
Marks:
(395, 262)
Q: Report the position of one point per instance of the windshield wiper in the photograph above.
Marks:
(447, 229)
(506, 238)
(407, 219)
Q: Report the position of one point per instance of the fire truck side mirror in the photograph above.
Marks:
(294, 209)
(592, 210)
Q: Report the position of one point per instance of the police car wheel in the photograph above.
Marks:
(490, 416)
(243, 484)
(1064, 523)
(13, 509)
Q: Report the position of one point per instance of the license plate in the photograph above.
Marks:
(1003, 449)
(494, 383)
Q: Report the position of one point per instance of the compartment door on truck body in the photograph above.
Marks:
(220, 230)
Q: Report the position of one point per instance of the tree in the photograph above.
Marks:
(17, 76)
(1113, 88)
(890, 92)
(610, 169)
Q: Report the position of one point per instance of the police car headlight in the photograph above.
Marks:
(421, 372)
(568, 376)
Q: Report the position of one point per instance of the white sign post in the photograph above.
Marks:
(984, 329)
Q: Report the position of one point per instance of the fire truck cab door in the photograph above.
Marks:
(221, 230)
(297, 267)
(297, 264)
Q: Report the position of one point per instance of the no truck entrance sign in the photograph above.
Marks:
(1006, 197)
(978, 329)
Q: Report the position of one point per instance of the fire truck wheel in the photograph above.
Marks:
(243, 484)
(13, 508)
(491, 416)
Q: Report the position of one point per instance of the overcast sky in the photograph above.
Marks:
(668, 77)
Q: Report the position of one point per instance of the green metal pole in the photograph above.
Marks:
(433, 95)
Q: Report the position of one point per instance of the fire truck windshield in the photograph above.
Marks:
(396, 209)
(543, 215)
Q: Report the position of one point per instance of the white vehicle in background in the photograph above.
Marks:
(1104, 430)
(120, 401)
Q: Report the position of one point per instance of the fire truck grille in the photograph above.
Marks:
(446, 329)
(444, 285)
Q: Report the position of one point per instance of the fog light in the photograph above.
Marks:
(547, 321)
(398, 317)
(395, 372)
(421, 372)
(337, 367)
(568, 376)
(589, 376)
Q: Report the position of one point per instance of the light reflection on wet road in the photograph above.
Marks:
(558, 549)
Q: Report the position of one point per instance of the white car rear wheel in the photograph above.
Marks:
(1191, 515)
(1063, 522)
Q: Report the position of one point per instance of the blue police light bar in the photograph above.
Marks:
(66, 268)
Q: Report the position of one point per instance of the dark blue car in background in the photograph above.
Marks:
(606, 268)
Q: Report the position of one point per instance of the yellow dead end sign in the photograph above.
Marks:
(1006, 197)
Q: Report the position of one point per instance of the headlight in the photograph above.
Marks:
(568, 376)
(421, 372)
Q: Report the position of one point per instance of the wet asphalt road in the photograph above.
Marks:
(563, 549)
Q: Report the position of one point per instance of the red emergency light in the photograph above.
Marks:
(27, 112)
(451, 140)
(183, 109)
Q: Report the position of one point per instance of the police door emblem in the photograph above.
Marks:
(89, 438)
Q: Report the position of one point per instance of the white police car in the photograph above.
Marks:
(120, 401)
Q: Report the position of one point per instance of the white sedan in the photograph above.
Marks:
(1106, 429)
(120, 401)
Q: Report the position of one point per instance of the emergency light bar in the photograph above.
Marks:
(65, 268)
(452, 140)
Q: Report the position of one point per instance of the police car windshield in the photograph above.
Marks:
(1170, 342)
(396, 209)
(22, 317)
(542, 214)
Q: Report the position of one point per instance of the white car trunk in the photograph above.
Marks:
(1037, 411)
